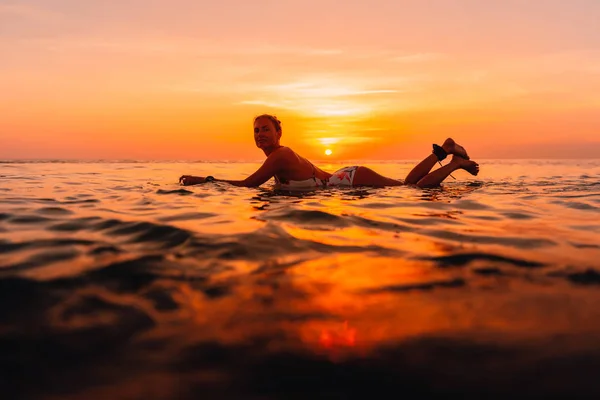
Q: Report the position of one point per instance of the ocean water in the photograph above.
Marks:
(117, 283)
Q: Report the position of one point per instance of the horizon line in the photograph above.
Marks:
(241, 161)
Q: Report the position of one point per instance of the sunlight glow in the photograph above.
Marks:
(328, 141)
(328, 152)
(381, 90)
(339, 111)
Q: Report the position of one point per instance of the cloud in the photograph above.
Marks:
(316, 96)
(323, 90)
(322, 107)
(418, 57)
(271, 104)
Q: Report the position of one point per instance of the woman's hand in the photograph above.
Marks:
(187, 180)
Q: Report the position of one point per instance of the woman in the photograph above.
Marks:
(292, 171)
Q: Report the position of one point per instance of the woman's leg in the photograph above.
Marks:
(436, 177)
(420, 174)
(367, 177)
(421, 170)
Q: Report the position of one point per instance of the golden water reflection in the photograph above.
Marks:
(337, 305)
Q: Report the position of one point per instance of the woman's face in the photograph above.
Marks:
(265, 134)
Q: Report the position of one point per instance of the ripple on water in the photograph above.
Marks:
(486, 217)
(70, 226)
(141, 232)
(106, 224)
(84, 201)
(577, 205)
(518, 242)
(269, 242)
(462, 259)
(376, 205)
(413, 223)
(43, 258)
(8, 246)
(186, 216)
(425, 286)
(587, 228)
(585, 245)
(29, 219)
(181, 192)
(54, 211)
(587, 277)
(471, 205)
(104, 250)
(518, 215)
(307, 218)
(371, 223)
(489, 271)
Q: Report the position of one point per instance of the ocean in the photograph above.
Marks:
(117, 283)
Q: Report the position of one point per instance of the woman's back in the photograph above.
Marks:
(297, 168)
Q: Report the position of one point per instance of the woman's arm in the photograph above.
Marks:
(187, 180)
(270, 167)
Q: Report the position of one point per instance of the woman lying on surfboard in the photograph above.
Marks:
(292, 171)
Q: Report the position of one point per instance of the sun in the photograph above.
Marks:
(328, 152)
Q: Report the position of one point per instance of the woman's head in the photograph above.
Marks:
(267, 131)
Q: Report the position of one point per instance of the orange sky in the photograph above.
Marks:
(378, 79)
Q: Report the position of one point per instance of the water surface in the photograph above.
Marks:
(117, 283)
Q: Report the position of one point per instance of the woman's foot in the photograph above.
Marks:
(451, 147)
(470, 166)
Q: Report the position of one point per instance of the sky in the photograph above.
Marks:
(376, 79)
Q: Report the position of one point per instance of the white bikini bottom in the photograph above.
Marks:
(342, 177)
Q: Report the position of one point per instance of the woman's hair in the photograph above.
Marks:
(273, 119)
